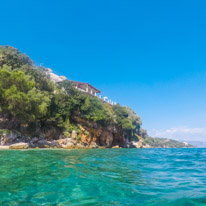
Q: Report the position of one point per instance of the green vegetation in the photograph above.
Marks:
(29, 98)
(128, 120)
(164, 143)
(4, 131)
(19, 98)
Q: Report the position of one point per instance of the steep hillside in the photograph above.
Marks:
(42, 113)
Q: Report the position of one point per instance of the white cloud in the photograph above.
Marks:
(181, 133)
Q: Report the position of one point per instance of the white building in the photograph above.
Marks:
(86, 87)
(81, 86)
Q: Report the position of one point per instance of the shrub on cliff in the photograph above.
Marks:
(126, 118)
(87, 106)
(19, 98)
(13, 58)
(94, 110)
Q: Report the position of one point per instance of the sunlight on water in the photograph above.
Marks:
(173, 177)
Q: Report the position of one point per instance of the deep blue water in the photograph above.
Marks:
(103, 177)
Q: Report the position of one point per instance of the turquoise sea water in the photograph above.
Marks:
(150, 177)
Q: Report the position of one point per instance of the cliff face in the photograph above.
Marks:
(109, 136)
(89, 135)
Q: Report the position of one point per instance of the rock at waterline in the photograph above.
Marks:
(20, 145)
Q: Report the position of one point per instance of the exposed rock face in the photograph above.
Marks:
(20, 145)
(106, 138)
(67, 143)
(80, 146)
(93, 145)
(100, 136)
(85, 138)
(74, 134)
(34, 140)
(90, 135)
(52, 133)
(42, 144)
(9, 137)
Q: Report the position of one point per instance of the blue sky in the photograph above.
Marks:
(149, 55)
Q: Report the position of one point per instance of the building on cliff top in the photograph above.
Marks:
(86, 87)
(81, 86)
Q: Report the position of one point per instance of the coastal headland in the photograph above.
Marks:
(39, 109)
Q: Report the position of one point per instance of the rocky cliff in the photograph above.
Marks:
(89, 135)
(37, 112)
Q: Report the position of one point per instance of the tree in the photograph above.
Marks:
(94, 110)
(12, 57)
(19, 99)
(122, 117)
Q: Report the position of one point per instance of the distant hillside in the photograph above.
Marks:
(164, 143)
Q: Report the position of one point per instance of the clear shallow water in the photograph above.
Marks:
(161, 177)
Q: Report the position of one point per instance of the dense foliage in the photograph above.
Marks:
(29, 97)
(19, 98)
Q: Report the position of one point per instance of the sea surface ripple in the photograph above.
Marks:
(145, 177)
